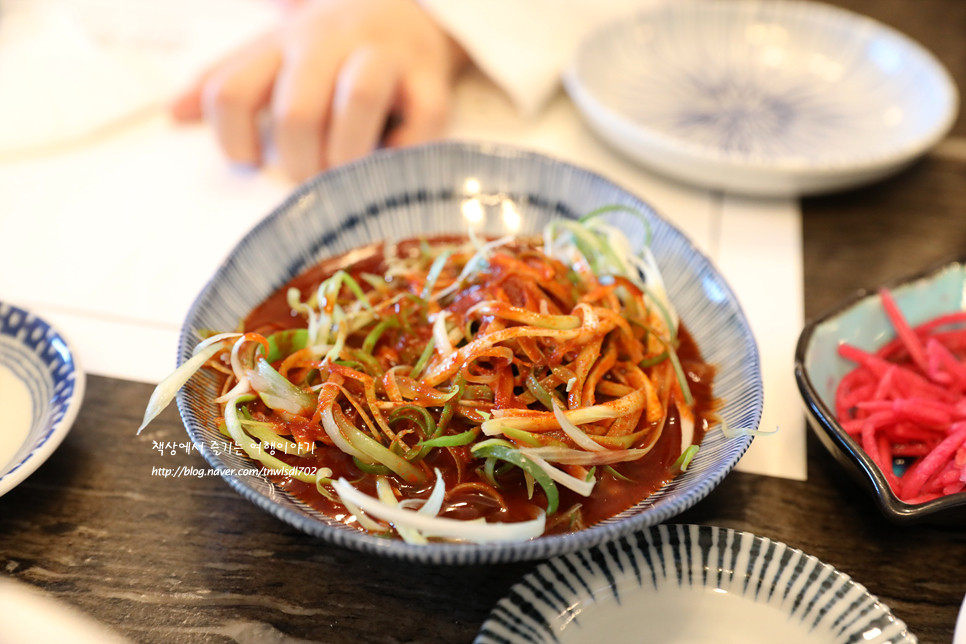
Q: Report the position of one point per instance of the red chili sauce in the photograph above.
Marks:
(610, 496)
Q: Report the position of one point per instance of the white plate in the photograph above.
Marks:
(30, 616)
(762, 97)
(682, 584)
(41, 388)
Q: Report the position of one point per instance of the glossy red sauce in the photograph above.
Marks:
(610, 495)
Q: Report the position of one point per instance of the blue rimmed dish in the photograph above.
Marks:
(762, 97)
(41, 389)
(445, 188)
(688, 583)
(861, 321)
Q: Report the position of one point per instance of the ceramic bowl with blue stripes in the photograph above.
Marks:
(447, 188)
(41, 389)
(687, 583)
(762, 97)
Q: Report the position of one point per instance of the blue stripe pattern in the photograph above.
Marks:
(39, 357)
(430, 190)
(812, 596)
(769, 82)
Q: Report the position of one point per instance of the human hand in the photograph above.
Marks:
(330, 77)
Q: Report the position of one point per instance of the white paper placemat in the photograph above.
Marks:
(112, 237)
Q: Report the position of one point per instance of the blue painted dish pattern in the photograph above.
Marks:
(40, 357)
(771, 82)
(644, 580)
(442, 188)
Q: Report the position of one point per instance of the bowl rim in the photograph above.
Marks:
(888, 503)
(462, 553)
(57, 431)
(593, 567)
(665, 143)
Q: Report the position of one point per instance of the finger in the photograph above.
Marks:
(364, 94)
(187, 105)
(300, 109)
(234, 95)
(424, 104)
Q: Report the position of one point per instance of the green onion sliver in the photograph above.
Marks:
(596, 212)
(434, 272)
(373, 367)
(370, 468)
(672, 329)
(423, 359)
(453, 440)
(370, 342)
(616, 474)
(284, 343)
(494, 450)
(678, 370)
(684, 460)
(541, 394)
(653, 360)
(343, 277)
(450, 407)
(253, 449)
(421, 417)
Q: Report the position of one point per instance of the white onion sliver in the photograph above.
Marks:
(435, 501)
(477, 532)
(213, 339)
(386, 496)
(241, 387)
(443, 345)
(472, 265)
(333, 432)
(168, 388)
(687, 424)
(574, 432)
(583, 488)
(569, 456)
(364, 521)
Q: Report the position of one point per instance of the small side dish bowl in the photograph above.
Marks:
(762, 97)
(446, 188)
(41, 389)
(688, 583)
(861, 322)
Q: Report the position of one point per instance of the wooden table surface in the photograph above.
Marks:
(188, 560)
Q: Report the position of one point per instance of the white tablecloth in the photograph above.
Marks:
(111, 232)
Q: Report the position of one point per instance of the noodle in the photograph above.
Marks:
(500, 379)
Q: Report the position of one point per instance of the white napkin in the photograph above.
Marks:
(524, 45)
(71, 68)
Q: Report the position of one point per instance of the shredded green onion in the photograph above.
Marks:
(373, 337)
(653, 360)
(434, 272)
(450, 407)
(493, 450)
(370, 468)
(453, 440)
(423, 359)
(684, 460)
(596, 212)
(617, 475)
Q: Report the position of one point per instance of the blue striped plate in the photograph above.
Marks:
(444, 188)
(41, 389)
(763, 97)
(684, 583)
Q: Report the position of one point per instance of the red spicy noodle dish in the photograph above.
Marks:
(465, 389)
